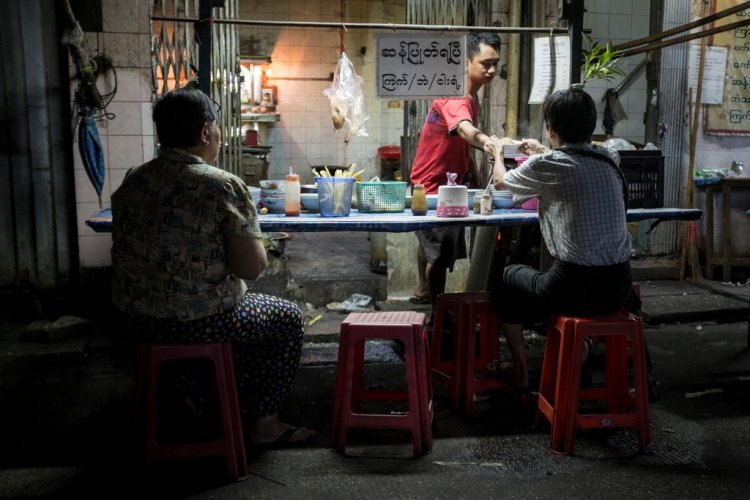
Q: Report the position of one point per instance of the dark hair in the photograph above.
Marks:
(474, 39)
(571, 114)
(179, 116)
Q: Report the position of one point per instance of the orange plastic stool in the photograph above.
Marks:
(560, 391)
(466, 374)
(407, 327)
(229, 444)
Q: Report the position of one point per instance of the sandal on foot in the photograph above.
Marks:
(284, 442)
(419, 300)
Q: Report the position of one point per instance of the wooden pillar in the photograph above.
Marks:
(203, 30)
(573, 10)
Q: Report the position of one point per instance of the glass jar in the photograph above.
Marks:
(418, 200)
(486, 204)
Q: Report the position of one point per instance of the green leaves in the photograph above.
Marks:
(600, 61)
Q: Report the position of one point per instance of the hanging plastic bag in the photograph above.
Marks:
(347, 100)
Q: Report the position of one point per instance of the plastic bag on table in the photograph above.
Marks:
(347, 100)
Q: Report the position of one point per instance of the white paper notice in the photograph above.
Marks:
(551, 67)
(714, 69)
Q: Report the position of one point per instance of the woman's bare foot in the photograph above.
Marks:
(269, 429)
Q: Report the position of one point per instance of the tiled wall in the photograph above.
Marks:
(620, 21)
(302, 59)
(127, 138)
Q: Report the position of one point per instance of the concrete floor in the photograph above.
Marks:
(65, 432)
(65, 424)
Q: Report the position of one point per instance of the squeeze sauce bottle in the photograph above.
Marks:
(291, 196)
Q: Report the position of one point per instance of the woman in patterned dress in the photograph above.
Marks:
(185, 236)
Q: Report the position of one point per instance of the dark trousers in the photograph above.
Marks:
(526, 295)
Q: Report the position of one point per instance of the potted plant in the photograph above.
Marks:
(599, 62)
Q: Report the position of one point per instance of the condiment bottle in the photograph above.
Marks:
(486, 203)
(477, 205)
(418, 200)
(291, 195)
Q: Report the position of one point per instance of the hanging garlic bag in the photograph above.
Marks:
(347, 100)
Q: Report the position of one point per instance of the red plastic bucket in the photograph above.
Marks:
(390, 153)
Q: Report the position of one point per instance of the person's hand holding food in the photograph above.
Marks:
(492, 145)
(532, 147)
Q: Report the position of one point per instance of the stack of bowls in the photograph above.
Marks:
(502, 199)
(254, 194)
(272, 194)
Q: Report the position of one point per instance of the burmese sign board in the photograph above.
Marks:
(421, 66)
(732, 115)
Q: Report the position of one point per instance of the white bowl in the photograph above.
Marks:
(273, 184)
(274, 193)
(498, 192)
(310, 202)
(501, 200)
(274, 204)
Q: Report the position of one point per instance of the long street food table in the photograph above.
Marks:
(406, 222)
(481, 256)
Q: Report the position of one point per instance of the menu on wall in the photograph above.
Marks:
(714, 69)
(551, 67)
(732, 116)
(421, 67)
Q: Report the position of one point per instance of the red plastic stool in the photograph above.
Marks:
(466, 374)
(560, 391)
(229, 444)
(407, 327)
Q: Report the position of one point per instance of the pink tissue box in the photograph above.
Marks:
(452, 211)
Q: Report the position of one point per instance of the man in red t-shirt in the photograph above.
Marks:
(445, 143)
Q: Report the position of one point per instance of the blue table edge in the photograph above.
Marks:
(406, 222)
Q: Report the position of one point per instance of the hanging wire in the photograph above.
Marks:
(83, 103)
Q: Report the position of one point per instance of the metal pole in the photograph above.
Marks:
(514, 63)
(575, 31)
(203, 30)
(685, 27)
(686, 38)
(384, 26)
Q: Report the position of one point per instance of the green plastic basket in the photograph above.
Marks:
(378, 197)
